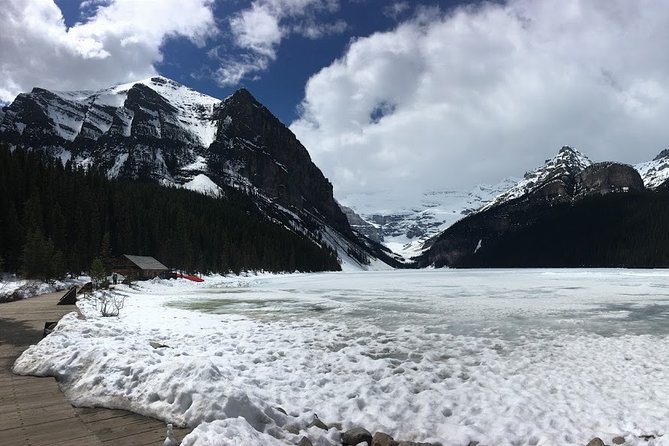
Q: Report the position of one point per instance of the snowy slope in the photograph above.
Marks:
(405, 223)
(568, 161)
(655, 172)
(194, 110)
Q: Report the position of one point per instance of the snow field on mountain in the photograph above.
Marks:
(203, 184)
(501, 357)
(654, 172)
(194, 110)
(427, 213)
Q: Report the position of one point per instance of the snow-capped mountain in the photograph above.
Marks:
(571, 217)
(157, 129)
(561, 168)
(404, 224)
(656, 172)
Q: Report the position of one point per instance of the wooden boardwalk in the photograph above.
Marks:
(34, 412)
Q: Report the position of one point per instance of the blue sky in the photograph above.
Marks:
(389, 96)
(281, 86)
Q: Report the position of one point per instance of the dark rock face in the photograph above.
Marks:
(604, 178)
(255, 144)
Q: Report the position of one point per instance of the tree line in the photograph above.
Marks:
(57, 218)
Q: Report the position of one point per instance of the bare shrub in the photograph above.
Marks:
(109, 304)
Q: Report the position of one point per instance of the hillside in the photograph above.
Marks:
(55, 216)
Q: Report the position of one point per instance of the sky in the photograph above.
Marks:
(388, 96)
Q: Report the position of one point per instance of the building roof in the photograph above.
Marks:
(145, 262)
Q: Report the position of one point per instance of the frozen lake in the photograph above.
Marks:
(500, 303)
(451, 356)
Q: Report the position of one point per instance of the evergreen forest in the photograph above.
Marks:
(55, 219)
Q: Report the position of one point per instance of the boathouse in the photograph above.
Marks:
(138, 267)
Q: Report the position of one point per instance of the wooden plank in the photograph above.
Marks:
(91, 415)
(34, 411)
(52, 432)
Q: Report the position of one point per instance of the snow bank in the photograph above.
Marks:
(12, 288)
(498, 357)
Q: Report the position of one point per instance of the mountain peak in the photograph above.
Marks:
(662, 155)
(572, 155)
(566, 164)
(244, 96)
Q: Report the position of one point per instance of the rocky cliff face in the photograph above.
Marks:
(160, 130)
(605, 178)
(256, 146)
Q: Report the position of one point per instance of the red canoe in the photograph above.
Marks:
(190, 277)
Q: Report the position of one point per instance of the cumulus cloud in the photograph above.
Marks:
(449, 100)
(259, 29)
(118, 40)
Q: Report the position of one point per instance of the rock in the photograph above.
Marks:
(158, 345)
(280, 409)
(603, 178)
(305, 442)
(316, 422)
(381, 439)
(473, 443)
(355, 436)
(596, 442)
(618, 440)
(336, 426)
(292, 428)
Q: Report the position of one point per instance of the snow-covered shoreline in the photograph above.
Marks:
(13, 288)
(498, 357)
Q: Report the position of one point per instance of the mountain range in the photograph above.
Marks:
(160, 131)
(568, 213)
(408, 225)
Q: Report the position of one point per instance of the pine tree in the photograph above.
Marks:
(97, 273)
(36, 256)
(106, 253)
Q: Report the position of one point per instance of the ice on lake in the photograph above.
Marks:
(449, 356)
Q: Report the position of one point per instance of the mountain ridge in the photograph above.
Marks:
(159, 130)
(398, 224)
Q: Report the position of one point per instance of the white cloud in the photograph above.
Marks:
(395, 9)
(259, 29)
(451, 100)
(118, 41)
